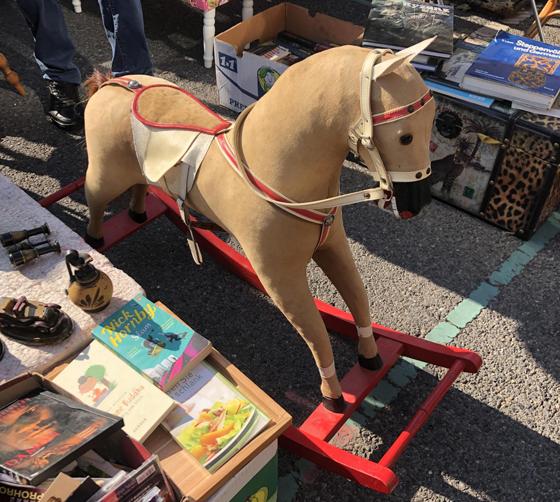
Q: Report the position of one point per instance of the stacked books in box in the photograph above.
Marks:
(288, 48)
(144, 367)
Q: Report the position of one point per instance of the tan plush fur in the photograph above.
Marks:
(295, 139)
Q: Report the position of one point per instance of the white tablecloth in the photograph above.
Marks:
(46, 280)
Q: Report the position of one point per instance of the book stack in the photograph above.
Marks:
(143, 368)
(398, 24)
(518, 69)
(147, 366)
(288, 48)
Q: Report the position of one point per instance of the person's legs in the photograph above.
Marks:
(54, 52)
(124, 26)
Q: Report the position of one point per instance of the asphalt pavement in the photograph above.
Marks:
(494, 437)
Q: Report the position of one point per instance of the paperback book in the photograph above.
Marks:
(213, 419)
(42, 432)
(517, 69)
(397, 24)
(155, 343)
(99, 378)
(456, 92)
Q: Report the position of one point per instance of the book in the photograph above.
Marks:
(42, 432)
(397, 24)
(13, 492)
(99, 378)
(155, 343)
(456, 92)
(145, 484)
(517, 69)
(213, 419)
(554, 111)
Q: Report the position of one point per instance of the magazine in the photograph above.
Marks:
(397, 24)
(517, 69)
(152, 341)
(213, 420)
(42, 432)
(99, 378)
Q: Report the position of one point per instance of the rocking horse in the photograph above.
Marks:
(288, 147)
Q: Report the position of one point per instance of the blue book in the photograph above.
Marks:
(518, 69)
(455, 92)
(153, 341)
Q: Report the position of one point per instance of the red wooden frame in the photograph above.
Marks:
(310, 440)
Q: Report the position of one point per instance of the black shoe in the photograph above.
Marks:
(65, 108)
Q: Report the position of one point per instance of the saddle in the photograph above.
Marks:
(169, 126)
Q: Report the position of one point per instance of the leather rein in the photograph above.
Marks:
(360, 135)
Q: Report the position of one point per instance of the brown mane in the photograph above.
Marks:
(94, 81)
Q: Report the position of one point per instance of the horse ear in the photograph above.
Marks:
(401, 57)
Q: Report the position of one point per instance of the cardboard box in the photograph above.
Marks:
(243, 77)
(191, 480)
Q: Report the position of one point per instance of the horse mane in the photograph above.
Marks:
(94, 81)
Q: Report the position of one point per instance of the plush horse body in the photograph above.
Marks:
(294, 139)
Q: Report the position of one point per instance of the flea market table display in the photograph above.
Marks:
(145, 406)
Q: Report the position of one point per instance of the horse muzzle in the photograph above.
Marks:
(409, 199)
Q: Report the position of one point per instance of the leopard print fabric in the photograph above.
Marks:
(519, 180)
(552, 201)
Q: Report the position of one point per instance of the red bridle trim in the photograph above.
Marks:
(125, 81)
(402, 111)
(324, 219)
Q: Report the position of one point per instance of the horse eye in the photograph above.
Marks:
(406, 139)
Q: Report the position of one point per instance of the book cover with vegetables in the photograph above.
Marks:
(152, 341)
(99, 378)
(213, 420)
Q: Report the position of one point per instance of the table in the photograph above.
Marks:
(208, 7)
(46, 280)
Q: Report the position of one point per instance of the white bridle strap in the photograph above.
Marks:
(245, 173)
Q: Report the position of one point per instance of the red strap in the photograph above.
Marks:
(403, 111)
(137, 88)
(325, 220)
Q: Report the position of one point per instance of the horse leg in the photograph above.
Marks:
(137, 206)
(286, 283)
(336, 260)
(101, 187)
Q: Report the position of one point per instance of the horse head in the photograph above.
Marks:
(392, 135)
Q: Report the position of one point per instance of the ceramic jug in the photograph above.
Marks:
(90, 289)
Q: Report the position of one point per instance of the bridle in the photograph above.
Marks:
(360, 139)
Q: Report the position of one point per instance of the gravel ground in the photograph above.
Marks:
(495, 437)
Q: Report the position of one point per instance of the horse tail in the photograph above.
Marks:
(94, 82)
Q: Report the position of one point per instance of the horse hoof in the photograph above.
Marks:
(138, 217)
(371, 363)
(94, 242)
(334, 404)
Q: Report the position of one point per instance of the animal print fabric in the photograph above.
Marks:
(515, 189)
(553, 200)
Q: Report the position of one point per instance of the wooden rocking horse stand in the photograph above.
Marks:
(249, 181)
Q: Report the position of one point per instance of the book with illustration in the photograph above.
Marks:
(213, 419)
(397, 24)
(99, 378)
(42, 432)
(155, 343)
(518, 69)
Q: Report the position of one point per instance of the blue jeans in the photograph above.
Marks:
(54, 51)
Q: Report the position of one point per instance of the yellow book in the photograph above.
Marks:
(99, 378)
